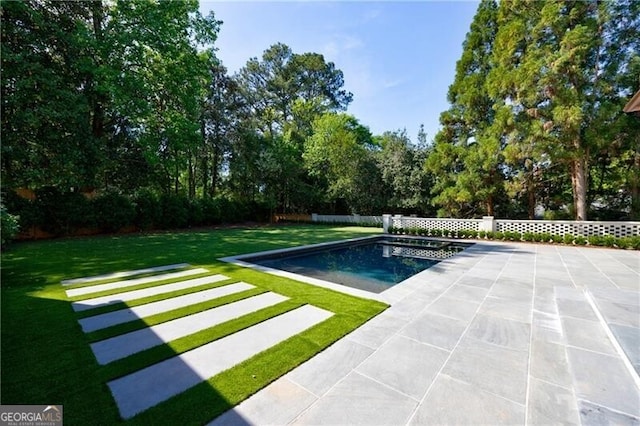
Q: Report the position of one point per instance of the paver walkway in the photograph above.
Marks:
(124, 274)
(503, 333)
(87, 304)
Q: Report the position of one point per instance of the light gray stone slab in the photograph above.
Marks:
(327, 368)
(453, 402)
(587, 335)
(145, 388)
(470, 279)
(547, 327)
(358, 400)
(500, 331)
(109, 319)
(592, 414)
(377, 330)
(604, 380)
(505, 308)
(465, 292)
(548, 361)
(616, 296)
(125, 274)
(277, 404)
(453, 308)
(620, 313)
(405, 365)
(551, 404)
(576, 309)
(496, 369)
(407, 308)
(512, 291)
(436, 330)
(87, 304)
(121, 346)
(82, 291)
(629, 340)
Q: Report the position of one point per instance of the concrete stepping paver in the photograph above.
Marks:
(118, 347)
(87, 304)
(98, 322)
(145, 388)
(136, 281)
(124, 274)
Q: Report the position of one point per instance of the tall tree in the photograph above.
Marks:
(467, 152)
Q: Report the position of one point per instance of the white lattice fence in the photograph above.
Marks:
(563, 227)
(434, 223)
(422, 253)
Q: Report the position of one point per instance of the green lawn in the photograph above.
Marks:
(46, 358)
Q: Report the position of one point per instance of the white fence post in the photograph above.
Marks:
(314, 217)
(488, 224)
(386, 222)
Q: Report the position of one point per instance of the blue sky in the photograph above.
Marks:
(398, 58)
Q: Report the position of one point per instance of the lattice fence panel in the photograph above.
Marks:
(433, 223)
(422, 253)
(557, 227)
(331, 218)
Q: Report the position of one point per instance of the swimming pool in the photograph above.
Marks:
(373, 264)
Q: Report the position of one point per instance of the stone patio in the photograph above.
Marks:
(504, 333)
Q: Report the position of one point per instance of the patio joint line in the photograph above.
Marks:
(614, 341)
(484, 390)
(413, 398)
(446, 361)
(533, 300)
(624, 413)
(599, 270)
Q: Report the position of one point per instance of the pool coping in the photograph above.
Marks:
(391, 295)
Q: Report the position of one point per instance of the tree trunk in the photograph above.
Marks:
(579, 186)
(634, 181)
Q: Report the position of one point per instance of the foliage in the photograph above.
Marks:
(113, 211)
(9, 225)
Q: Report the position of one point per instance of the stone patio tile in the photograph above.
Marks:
(576, 309)
(405, 365)
(629, 340)
(569, 293)
(587, 335)
(465, 292)
(327, 368)
(616, 296)
(407, 308)
(504, 308)
(548, 361)
(496, 369)
(378, 330)
(592, 414)
(277, 404)
(474, 280)
(82, 291)
(358, 400)
(627, 281)
(603, 380)
(453, 402)
(454, 308)
(620, 313)
(500, 331)
(436, 330)
(551, 404)
(547, 327)
(512, 291)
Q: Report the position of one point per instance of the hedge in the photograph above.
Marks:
(64, 213)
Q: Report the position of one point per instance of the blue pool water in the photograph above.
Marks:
(373, 266)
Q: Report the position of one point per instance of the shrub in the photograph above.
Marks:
(482, 234)
(545, 237)
(528, 236)
(113, 212)
(498, 235)
(148, 210)
(63, 212)
(210, 211)
(580, 240)
(196, 212)
(175, 211)
(596, 240)
(557, 238)
(9, 226)
(568, 238)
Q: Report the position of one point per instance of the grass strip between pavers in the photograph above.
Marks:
(156, 319)
(46, 358)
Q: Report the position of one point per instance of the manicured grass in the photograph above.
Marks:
(46, 358)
